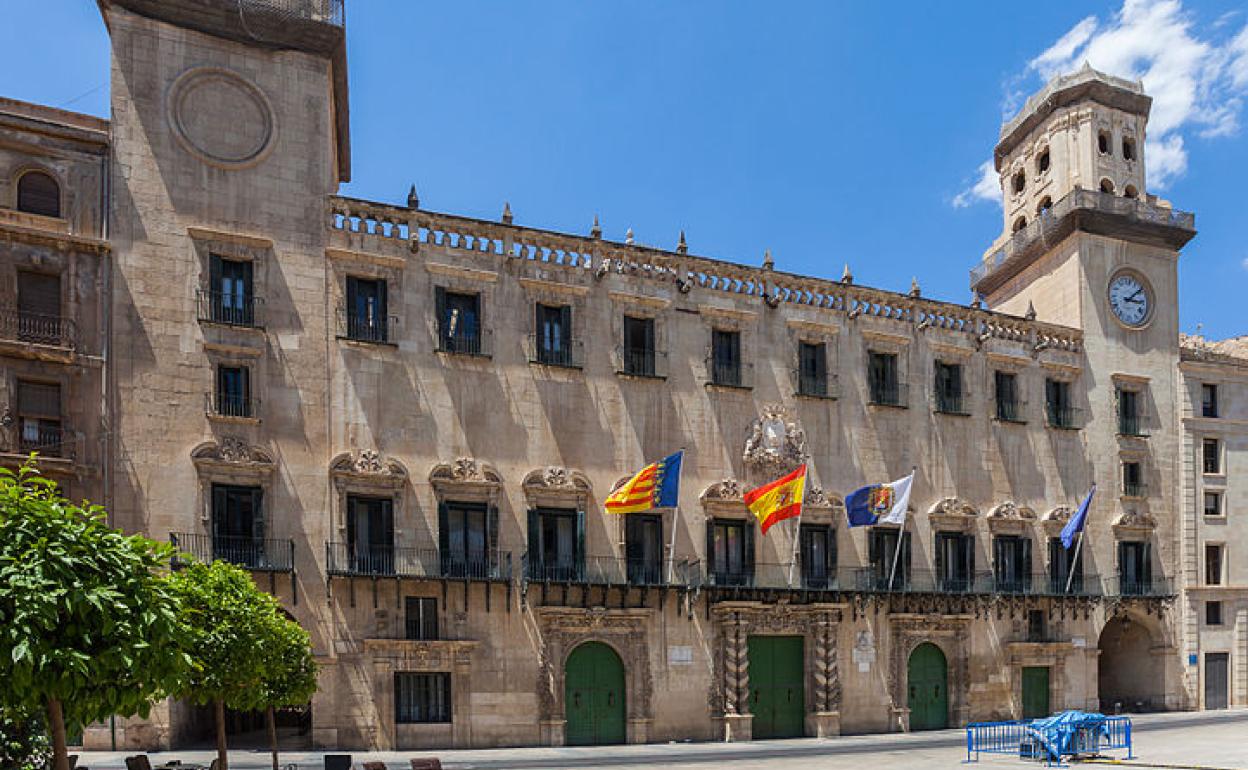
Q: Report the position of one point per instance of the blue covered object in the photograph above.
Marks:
(1066, 734)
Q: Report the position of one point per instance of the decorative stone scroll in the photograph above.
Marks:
(1010, 518)
(562, 630)
(817, 497)
(367, 467)
(466, 478)
(1132, 522)
(952, 635)
(557, 483)
(953, 513)
(232, 457)
(723, 497)
(775, 444)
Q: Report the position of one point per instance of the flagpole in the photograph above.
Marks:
(797, 534)
(1070, 579)
(901, 534)
(671, 546)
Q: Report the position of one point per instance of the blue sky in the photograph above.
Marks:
(826, 132)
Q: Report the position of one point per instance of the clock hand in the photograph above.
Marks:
(1137, 293)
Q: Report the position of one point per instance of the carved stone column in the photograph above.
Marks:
(824, 720)
(738, 722)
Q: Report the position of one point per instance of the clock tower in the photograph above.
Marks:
(1085, 245)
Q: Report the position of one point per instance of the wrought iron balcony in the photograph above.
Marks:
(731, 374)
(363, 327)
(1137, 489)
(642, 362)
(1135, 586)
(1011, 410)
(229, 309)
(256, 554)
(895, 394)
(1062, 417)
(569, 354)
(815, 386)
(37, 329)
(43, 439)
(465, 342)
(353, 559)
(231, 405)
(1132, 425)
(951, 403)
(604, 570)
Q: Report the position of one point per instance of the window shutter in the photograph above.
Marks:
(39, 294)
(491, 539)
(444, 537)
(219, 514)
(38, 193)
(439, 301)
(382, 303)
(1026, 558)
(831, 552)
(969, 545)
(579, 559)
(904, 568)
(710, 546)
(942, 543)
(244, 376)
(748, 557)
(565, 322)
(1146, 569)
(539, 328)
(353, 293)
(873, 549)
(257, 513)
(632, 541)
(387, 523)
(535, 543)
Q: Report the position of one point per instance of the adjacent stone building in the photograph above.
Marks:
(405, 422)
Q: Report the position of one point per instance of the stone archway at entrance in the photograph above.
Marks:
(927, 688)
(594, 696)
(1131, 677)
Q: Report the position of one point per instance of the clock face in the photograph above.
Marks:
(1129, 299)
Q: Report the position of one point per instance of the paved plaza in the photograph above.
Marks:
(1188, 740)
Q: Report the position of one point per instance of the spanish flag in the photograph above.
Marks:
(655, 486)
(779, 500)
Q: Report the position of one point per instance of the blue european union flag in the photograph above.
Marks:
(668, 493)
(1077, 520)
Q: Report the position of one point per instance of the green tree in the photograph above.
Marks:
(88, 624)
(232, 627)
(290, 672)
(24, 743)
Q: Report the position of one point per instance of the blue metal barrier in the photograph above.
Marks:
(1068, 734)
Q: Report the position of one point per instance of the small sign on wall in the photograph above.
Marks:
(864, 651)
(679, 655)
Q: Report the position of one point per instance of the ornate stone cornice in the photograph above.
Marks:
(1009, 517)
(465, 475)
(952, 513)
(232, 455)
(556, 481)
(725, 494)
(1134, 522)
(367, 467)
(817, 497)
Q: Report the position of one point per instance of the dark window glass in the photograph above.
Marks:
(818, 555)
(421, 616)
(812, 375)
(1042, 165)
(1133, 480)
(229, 299)
(639, 352)
(238, 524)
(38, 193)
(1208, 400)
(1212, 455)
(955, 561)
(1128, 148)
(39, 309)
(370, 534)
(367, 318)
(1060, 561)
(466, 548)
(459, 322)
(420, 697)
(1008, 406)
(1213, 613)
(643, 538)
(1011, 563)
(882, 380)
(1035, 626)
(732, 552)
(1058, 404)
(557, 551)
(1213, 504)
(1135, 569)
(1213, 565)
(554, 335)
(1102, 142)
(948, 388)
(881, 551)
(39, 418)
(1129, 423)
(726, 358)
(233, 391)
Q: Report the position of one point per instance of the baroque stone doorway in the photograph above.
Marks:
(927, 683)
(593, 686)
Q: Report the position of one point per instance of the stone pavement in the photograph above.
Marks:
(1206, 739)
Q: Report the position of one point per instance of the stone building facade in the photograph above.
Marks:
(405, 422)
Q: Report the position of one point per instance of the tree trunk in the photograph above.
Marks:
(271, 719)
(223, 759)
(56, 722)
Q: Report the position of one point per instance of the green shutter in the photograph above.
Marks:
(535, 543)
(439, 301)
(444, 537)
(748, 544)
(257, 513)
(710, 546)
(491, 539)
(214, 276)
(579, 556)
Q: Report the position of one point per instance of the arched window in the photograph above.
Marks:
(1042, 163)
(38, 193)
(1128, 148)
(1107, 186)
(1046, 203)
(1020, 181)
(1102, 142)
(1130, 191)
(1020, 223)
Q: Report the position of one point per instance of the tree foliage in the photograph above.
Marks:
(290, 671)
(88, 623)
(24, 742)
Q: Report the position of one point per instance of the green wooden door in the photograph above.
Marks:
(777, 686)
(593, 691)
(928, 680)
(1035, 692)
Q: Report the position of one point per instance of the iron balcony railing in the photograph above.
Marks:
(568, 353)
(1062, 417)
(1134, 489)
(951, 403)
(46, 440)
(366, 327)
(228, 309)
(605, 570)
(231, 405)
(888, 394)
(1011, 410)
(818, 386)
(876, 578)
(353, 559)
(731, 374)
(466, 342)
(37, 328)
(1133, 586)
(642, 362)
(1132, 425)
(258, 554)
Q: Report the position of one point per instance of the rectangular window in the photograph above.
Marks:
(948, 389)
(1213, 504)
(465, 540)
(39, 418)
(1213, 613)
(1135, 568)
(639, 352)
(370, 534)
(955, 561)
(812, 369)
(1213, 564)
(882, 379)
(1208, 400)
(1011, 564)
(554, 335)
(643, 547)
(1133, 480)
(39, 309)
(556, 538)
(420, 697)
(238, 524)
(1060, 572)
(367, 318)
(818, 555)
(1212, 455)
(230, 298)
(1058, 404)
(882, 549)
(1129, 422)
(459, 322)
(732, 552)
(421, 618)
(726, 358)
(233, 397)
(1009, 407)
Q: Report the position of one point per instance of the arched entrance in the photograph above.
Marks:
(593, 688)
(1129, 675)
(927, 677)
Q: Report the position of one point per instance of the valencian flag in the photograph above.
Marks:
(879, 503)
(779, 500)
(655, 486)
(1080, 517)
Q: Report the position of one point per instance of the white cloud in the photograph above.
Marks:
(1245, 263)
(1197, 76)
(987, 187)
